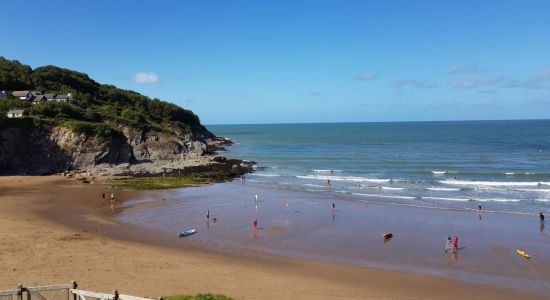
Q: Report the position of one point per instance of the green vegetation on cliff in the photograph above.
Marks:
(96, 108)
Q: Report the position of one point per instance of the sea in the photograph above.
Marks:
(502, 166)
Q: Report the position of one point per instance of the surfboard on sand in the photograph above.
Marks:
(187, 232)
(522, 252)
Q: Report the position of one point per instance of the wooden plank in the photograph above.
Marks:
(105, 296)
(8, 293)
(128, 297)
(92, 294)
(49, 287)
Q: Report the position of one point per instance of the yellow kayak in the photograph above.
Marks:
(523, 253)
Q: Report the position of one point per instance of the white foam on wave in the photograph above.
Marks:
(392, 188)
(314, 185)
(542, 200)
(326, 171)
(442, 189)
(493, 183)
(472, 199)
(266, 175)
(384, 196)
(533, 190)
(443, 172)
(342, 178)
(447, 199)
(509, 173)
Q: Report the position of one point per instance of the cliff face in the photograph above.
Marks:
(46, 149)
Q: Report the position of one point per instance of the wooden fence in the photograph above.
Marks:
(62, 292)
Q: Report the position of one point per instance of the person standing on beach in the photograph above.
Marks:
(112, 197)
(455, 244)
(541, 216)
(208, 214)
(449, 244)
(103, 196)
(333, 208)
(479, 209)
(255, 224)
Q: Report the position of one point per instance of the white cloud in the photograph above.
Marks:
(464, 69)
(146, 78)
(368, 76)
(400, 83)
(539, 80)
(473, 82)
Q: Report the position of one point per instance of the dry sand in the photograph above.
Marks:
(54, 230)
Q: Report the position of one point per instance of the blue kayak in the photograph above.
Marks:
(187, 232)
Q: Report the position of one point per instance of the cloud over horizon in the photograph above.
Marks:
(540, 80)
(475, 82)
(465, 69)
(367, 76)
(401, 83)
(146, 78)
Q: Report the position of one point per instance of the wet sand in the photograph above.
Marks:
(307, 229)
(55, 230)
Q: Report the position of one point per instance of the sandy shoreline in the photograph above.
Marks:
(55, 230)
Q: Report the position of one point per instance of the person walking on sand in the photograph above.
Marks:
(208, 214)
(479, 209)
(255, 224)
(541, 216)
(455, 244)
(333, 208)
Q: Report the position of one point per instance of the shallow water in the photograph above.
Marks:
(501, 165)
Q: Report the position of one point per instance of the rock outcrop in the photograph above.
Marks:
(46, 149)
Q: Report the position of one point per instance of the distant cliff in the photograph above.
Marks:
(103, 129)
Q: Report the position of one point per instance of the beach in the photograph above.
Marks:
(56, 230)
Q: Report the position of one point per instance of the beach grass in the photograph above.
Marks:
(158, 183)
(198, 297)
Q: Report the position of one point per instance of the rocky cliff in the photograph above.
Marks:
(46, 149)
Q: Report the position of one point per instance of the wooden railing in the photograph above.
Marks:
(83, 295)
(62, 292)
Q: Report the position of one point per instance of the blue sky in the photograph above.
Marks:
(301, 61)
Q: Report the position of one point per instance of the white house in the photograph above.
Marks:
(15, 113)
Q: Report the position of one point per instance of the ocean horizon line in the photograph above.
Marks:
(382, 122)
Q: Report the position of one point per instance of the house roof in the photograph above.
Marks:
(62, 96)
(39, 98)
(36, 93)
(20, 93)
(50, 95)
(16, 111)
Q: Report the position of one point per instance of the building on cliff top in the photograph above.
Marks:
(37, 97)
(15, 113)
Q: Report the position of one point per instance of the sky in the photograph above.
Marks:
(248, 62)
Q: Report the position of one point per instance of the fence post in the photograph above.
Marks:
(73, 286)
(19, 292)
